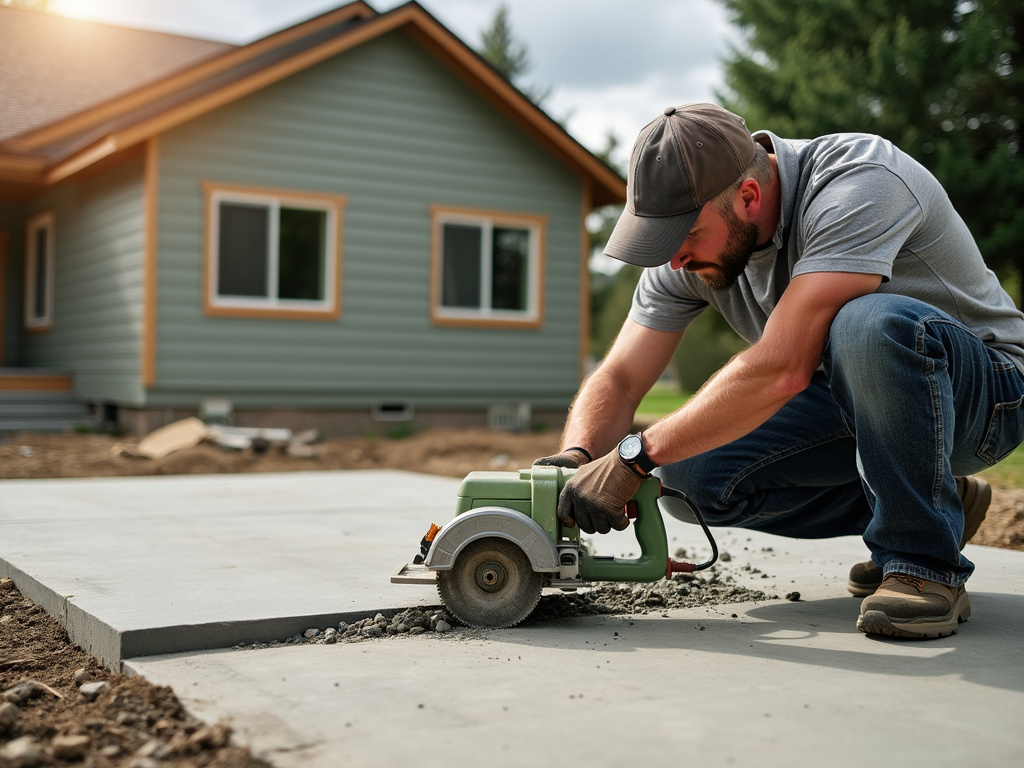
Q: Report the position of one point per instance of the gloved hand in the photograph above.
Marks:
(595, 497)
(570, 458)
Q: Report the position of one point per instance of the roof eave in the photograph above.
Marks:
(606, 186)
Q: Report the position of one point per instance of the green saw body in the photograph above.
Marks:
(506, 543)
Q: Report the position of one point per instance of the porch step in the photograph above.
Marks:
(41, 411)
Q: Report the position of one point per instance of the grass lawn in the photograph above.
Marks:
(660, 401)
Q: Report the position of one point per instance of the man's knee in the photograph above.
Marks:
(868, 329)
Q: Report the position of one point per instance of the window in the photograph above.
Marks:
(272, 253)
(39, 252)
(487, 268)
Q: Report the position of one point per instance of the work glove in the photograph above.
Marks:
(570, 458)
(595, 497)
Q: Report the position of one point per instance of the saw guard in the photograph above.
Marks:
(497, 522)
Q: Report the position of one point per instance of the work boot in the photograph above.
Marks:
(975, 495)
(906, 606)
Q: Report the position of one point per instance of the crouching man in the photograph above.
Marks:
(886, 363)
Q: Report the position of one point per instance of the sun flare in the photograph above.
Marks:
(76, 9)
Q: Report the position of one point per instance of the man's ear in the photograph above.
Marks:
(751, 198)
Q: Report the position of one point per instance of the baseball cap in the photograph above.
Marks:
(681, 159)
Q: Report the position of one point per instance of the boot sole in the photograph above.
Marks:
(878, 623)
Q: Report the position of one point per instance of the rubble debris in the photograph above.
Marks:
(166, 440)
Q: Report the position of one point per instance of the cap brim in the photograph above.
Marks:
(649, 241)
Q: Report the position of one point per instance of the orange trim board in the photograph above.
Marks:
(3, 288)
(38, 382)
(150, 263)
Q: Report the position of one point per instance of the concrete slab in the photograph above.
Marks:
(772, 684)
(140, 567)
(147, 565)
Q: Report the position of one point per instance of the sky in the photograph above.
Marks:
(611, 65)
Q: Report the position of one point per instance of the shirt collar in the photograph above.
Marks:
(789, 170)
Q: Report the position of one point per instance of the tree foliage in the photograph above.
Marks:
(942, 79)
(509, 55)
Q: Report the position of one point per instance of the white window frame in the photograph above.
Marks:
(271, 305)
(43, 221)
(485, 314)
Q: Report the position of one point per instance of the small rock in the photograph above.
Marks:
(373, 630)
(793, 596)
(69, 747)
(91, 691)
(154, 748)
(23, 752)
(210, 737)
(8, 716)
(499, 461)
(22, 692)
(82, 675)
(301, 451)
(111, 751)
(442, 626)
(309, 634)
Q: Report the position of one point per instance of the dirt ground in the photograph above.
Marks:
(49, 714)
(451, 452)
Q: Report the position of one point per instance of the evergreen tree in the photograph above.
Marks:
(942, 79)
(501, 49)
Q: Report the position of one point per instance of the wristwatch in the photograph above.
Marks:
(631, 451)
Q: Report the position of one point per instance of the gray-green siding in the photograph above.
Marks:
(393, 130)
(97, 301)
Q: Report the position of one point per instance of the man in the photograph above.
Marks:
(885, 364)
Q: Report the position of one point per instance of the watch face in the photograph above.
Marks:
(631, 447)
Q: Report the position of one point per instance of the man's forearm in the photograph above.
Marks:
(601, 415)
(739, 398)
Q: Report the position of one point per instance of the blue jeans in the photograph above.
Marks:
(909, 399)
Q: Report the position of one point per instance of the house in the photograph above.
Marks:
(352, 220)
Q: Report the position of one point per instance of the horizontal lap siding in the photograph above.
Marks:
(395, 132)
(97, 320)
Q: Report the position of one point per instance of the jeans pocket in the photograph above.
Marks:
(1004, 432)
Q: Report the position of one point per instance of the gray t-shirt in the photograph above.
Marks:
(850, 203)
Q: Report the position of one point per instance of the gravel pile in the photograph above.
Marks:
(684, 590)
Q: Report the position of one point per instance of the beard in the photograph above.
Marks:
(735, 256)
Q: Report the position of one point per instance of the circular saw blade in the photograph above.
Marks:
(491, 584)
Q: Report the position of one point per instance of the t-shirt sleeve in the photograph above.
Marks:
(858, 222)
(662, 302)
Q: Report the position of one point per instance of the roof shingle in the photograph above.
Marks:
(56, 67)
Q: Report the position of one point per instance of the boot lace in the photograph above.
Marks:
(906, 578)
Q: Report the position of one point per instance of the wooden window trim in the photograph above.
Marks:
(533, 319)
(47, 221)
(275, 309)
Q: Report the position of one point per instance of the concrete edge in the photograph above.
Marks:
(112, 647)
(186, 638)
(84, 630)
